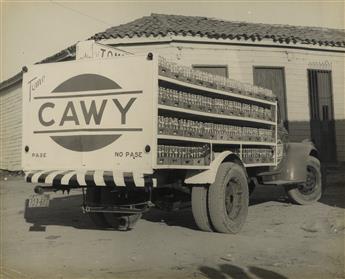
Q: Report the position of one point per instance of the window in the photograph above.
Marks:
(273, 78)
(219, 70)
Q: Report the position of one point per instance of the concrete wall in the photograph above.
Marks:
(11, 128)
(242, 59)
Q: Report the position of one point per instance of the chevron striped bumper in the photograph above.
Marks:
(91, 178)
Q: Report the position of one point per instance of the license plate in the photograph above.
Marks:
(39, 201)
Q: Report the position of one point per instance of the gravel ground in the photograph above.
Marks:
(279, 240)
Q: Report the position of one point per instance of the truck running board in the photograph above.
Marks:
(269, 173)
(283, 182)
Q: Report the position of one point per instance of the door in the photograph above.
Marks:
(321, 113)
(273, 78)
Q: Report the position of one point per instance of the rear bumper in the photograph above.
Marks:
(74, 178)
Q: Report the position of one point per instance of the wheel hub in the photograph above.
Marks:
(310, 185)
(233, 197)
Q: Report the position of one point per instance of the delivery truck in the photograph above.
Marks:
(141, 131)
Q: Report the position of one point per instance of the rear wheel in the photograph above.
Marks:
(310, 191)
(199, 208)
(228, 199)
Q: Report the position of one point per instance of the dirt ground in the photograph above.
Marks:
(279, 240)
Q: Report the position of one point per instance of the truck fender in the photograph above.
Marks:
(294, 167)
(208, 176)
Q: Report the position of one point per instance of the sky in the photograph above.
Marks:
(34, 30)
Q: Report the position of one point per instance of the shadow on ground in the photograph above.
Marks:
(66, 211)
(334, 194)
(226, 271)
(183, 218)
(62, 211)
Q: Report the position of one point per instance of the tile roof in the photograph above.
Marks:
(166, 25)
(12, 80)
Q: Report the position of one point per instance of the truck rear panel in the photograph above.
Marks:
(89, 115)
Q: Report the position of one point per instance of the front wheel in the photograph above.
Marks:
(310, 191)
(228, 198)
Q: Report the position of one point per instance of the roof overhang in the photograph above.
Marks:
(202, 40)
(11, 81)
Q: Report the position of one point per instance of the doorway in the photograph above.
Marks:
(321, 113)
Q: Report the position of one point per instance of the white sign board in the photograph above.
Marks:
(90, 49)
(89, 114)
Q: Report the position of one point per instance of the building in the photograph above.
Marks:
(304, 66)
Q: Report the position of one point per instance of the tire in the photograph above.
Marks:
(251, 187)
(228, 199)
(121, 222)
(132, 220)
(199, 208)
(311, 191)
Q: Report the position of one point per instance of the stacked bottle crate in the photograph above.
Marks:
(258, 111)
(171, 97)
(257, 155)
(197, 129)
(173, 70)
(184, 155)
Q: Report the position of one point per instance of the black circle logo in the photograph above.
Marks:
(86, 142)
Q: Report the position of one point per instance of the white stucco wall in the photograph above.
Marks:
(11, 128)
